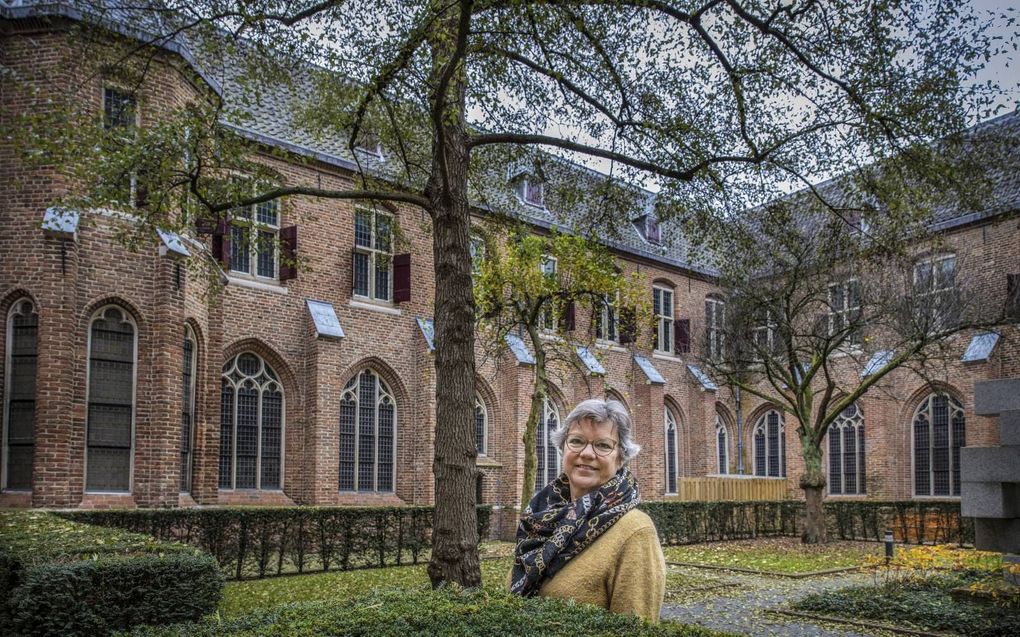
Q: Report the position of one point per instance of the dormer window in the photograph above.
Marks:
(369, 144)
(531, 190)
(648, 226)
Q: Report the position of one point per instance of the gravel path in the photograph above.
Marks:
(740, 610)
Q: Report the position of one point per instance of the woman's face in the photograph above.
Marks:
(587, 470)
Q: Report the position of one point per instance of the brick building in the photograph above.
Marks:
(126, 383)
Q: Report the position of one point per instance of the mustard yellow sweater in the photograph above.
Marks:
(623, 570)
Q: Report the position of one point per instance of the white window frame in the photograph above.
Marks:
(722, 452)
(532, 192)
(670, 420)
(476, 248)
(663, 321)
(374, 255)
(262, 388)
(134, 397)
(607, 327)
(482, 446)
(715, 334)
(548, 319)
(548, 407)
(932, 295)
(763, 336)
(845, 314)
(251, 229)
(133, 185)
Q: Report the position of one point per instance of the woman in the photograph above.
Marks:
(581, 536)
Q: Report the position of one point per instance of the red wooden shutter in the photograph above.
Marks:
(401, 278)
(288, 253)
(221, 242)
(569, 316)
(682, 331)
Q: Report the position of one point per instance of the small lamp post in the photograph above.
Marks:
(888, 547)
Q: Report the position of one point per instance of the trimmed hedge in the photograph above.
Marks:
(266, 541)
(427, 612)
(917, 522)
(58, 577)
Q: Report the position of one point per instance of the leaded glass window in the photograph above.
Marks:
(672, 450)
(548, 455)
(368, 434)
(19, 395)
(373, 254)
(111, 388)
(845, 311)
(721, 445)
(481, 426)
(770, 445)
(846, 453)
(935, 291)
(939, 433)
(188, 375)
(251, 425)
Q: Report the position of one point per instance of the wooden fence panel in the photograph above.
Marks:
(718, 488)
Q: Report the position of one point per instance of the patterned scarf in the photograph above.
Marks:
(554, 529)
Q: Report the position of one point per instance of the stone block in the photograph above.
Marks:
(990, 464)
(997, 535)
(990, 500)
(993, 397)
(1009, 428)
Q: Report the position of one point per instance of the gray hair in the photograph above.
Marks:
(599, 411)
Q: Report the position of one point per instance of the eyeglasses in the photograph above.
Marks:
(601, 447)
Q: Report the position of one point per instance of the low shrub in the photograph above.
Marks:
(925, 522)
(59, 577)
(255, 542)
(427, 612)
(923, 603)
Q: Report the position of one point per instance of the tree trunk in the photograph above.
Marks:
(454, 530)
(530, 429)
(813, 483)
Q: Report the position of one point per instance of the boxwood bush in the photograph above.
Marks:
(427, 612)
(262, 541)
(59, 577)
(925, 522)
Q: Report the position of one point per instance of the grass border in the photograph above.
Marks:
(857, 622)
(750, 571)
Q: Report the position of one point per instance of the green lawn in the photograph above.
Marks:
(240, 598)
(777, 555)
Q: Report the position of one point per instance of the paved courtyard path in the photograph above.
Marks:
(740, 608)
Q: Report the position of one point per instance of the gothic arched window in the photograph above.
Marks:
(368, 434)
(251, 425)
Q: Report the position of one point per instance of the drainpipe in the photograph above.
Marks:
(740, 432)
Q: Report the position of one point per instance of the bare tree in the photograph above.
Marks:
(824, 301)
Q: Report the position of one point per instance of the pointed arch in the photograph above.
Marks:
(845, 452)
(21, 350)
(111, 376)
(269, 354)
(368, 433)
(768, 435)
(485, 399)
(252, 424)
(938, 430)
(550, 460)
(723, 426)
(672, 431)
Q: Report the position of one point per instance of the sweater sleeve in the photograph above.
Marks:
(639, 584)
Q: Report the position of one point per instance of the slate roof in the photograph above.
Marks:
(271, 121)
